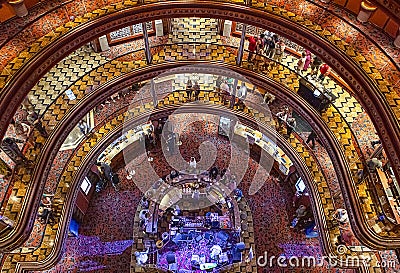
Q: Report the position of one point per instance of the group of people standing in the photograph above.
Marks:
(192, 90)
(226, 86)
(269, 45)
(285, 118)
(23, 128)
(315, 64)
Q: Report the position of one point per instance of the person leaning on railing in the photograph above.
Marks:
(10, 148)
(268, 98)
(373, 164)
(189, 88)
(196, 90)
(252, 48)
(279, 52)
(290, 126)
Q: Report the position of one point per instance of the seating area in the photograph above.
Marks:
(186, 236)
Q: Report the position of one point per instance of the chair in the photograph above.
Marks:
(208, 236)
(236, 256)
(177, 238)
(195, 261)
(172, 265)
(199, 238)
(240, 246)
(195, 258)
(215, 224)
(222, 236)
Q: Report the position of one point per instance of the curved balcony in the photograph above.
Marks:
(350, 149)
(336, 60)
(81, 159)
(79, 96)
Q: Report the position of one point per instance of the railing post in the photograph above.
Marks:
(241, 46)
(233, 94)
(149, 57)
(153, 93)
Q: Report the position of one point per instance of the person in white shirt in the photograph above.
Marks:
(341, 216)
(282, 117)
(242, 94)
(141, 257)
(216, 250)
(225, 91)
(225, 87)
(193, 163)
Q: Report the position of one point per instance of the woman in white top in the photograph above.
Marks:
(341, 216)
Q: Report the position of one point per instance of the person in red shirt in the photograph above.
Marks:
(252, 47)
(324, 70)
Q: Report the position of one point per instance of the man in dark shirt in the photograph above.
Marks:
(214, 172)
(105, 170)
(311, 137)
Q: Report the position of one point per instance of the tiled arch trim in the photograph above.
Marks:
(368, 84)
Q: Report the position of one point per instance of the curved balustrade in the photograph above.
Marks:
(324, 202)
(61, 98)
(34, 18)
(97, 147)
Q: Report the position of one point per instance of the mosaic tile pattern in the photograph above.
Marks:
(262, 6)
(61, 77)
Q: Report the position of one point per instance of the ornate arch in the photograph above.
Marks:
(69, 121)
(369, 87)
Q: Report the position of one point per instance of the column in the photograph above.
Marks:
(397, 40)
(167, 25)
(19, 7)
(234, 93)
(153, 93)
(96, 45)
(227, 28)
(146, 44)
(241, 46)
(365, 12)
(159, 28)
(104, 43)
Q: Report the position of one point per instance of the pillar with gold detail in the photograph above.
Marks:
(326, 1)
(19, 7)
(365, 12)
(397, 40)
